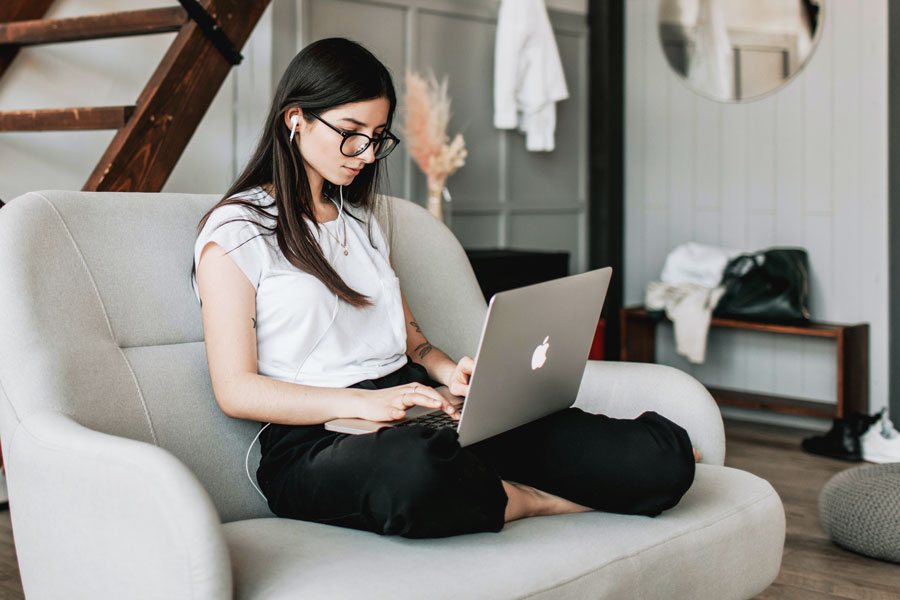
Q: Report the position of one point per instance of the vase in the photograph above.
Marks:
(438, 199)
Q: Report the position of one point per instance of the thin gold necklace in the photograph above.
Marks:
(344, 223)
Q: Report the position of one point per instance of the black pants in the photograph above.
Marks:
(419, 482)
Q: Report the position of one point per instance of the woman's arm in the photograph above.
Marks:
(440, 367)
(228, 308)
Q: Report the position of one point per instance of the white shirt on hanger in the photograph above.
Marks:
(528, 74)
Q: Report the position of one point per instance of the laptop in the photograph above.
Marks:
(534, 346)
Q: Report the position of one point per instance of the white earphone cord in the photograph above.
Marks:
(247, 462)
(341, 207)
(263, 428)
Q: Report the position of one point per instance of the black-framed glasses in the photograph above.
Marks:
(355, 144)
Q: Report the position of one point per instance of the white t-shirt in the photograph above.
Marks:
(304, 333)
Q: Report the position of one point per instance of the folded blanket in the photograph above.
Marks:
(696, 263)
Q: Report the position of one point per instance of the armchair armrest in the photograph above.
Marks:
(625, 390)
(99, 516)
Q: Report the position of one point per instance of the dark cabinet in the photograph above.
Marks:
(499, 270)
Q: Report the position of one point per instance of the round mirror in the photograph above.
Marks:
(735, 50)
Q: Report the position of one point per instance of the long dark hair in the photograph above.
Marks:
(324, 75)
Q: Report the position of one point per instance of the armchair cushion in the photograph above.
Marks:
(578, 556)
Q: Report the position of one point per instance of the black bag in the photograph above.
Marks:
(769, 285)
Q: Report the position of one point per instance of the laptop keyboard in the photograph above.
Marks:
(435, 420)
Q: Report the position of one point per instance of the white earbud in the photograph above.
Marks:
(295, 120)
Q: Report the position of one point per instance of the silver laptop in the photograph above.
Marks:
(534, 346)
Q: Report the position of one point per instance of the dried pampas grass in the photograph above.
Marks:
(426, 115)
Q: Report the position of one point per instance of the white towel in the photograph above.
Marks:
(690, 307)
(528, 74)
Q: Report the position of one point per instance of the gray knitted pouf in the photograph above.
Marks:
(860, 510)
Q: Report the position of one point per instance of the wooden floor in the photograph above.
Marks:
(812, 569)
(10, 583)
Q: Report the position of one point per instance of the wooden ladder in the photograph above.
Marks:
(153, 132)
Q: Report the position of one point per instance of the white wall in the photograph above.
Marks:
(805, 166)
(113, 72)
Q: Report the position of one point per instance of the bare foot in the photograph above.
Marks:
(696, 455)
(526, 501)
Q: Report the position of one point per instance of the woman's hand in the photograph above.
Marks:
(391, 404)
(459, 379)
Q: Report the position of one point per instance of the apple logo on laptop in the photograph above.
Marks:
(540, 354)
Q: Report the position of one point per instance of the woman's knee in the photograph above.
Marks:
(672, 459)
(677, 478)
(409, 480)
(369, 477)
(436, 489)
(412, 465)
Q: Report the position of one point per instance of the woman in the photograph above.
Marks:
(304, 322)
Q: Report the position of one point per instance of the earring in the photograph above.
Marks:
(295, 119)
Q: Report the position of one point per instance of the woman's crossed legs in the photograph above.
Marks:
(417, 482)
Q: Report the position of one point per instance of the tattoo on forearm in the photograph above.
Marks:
(424, 349)
(254, 322)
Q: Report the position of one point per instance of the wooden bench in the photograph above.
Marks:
(638, 344)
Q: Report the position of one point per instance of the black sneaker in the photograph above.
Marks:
(842, 440)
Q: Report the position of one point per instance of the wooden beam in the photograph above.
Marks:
(23, 10)
(19, 10)
(143, 153)
(110, 25)
(66, 119)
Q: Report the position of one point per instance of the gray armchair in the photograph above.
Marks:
(127, 481)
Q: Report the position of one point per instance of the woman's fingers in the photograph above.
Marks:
(466, 365)
(391, 404)
(459, 386)
(442, 402)
(448, 408)
(418, 395)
